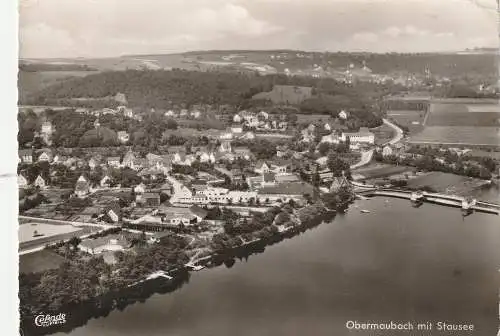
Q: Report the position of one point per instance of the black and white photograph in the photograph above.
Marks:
(257, 168)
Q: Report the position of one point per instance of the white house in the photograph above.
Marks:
(262, 167)
(140, 188)
(331, 138)
(123, 137)
(39, 182)
(105, 181)
(195, 114)
(248, 136)
(82, 187)
(387, 150)
(264, 115)
(363, 136)
(26, 155)
(102, 244)
(343, 115)
(22, 182)
(237, 118)
(327, 127)
(225, 147)
(44, 157)
(93, 163)
(236, 129)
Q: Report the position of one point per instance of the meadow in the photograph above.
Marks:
(457, 135)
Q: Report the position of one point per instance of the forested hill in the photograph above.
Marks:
(164, 89)
(158, 89)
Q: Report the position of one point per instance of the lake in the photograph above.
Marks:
(396, 263)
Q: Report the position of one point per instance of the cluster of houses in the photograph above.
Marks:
(355, 139)
(261, 121)
(273, 183)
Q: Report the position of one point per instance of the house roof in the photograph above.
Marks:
(149, 171)
(281, 162)
(198, 211)
(242, 150)
(259, 164)
(151, 195)
(82, 186)
(113, 158)
(129, 156)
(24, 152)
(103, 241)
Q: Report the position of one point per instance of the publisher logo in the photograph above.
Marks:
(47, 320)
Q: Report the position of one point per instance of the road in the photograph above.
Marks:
(399, 133)
(366, 157)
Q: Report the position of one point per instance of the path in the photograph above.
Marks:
(399, 133)
(366, 157)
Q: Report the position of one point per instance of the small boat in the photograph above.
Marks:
(198, 268)
(365, 211)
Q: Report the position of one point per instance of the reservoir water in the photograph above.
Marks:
(396, 263)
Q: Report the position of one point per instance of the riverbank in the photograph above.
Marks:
(302, 220)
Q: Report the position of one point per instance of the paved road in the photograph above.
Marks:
(399, 133)
(366, 157)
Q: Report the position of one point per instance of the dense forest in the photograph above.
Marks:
(165, 89)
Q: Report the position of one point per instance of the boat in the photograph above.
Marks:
(365, 211)
(198, 267)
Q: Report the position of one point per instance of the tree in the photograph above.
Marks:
(74, 242)
(323, 148)
(336, 165)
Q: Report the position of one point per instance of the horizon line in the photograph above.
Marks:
(475, 49)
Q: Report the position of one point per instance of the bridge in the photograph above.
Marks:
(466, 204)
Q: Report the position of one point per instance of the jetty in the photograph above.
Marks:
(467, 204)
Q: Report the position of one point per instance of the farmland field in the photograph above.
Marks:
(473, 122)
(445, 182)
(407, 118)
(458, 135)
(477, 119)
(478, 115)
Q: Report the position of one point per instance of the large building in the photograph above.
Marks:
(362, 136)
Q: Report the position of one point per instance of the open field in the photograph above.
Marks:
(52, 233)
(446, 183)
(458, 135)
(26, 231)
(411, 119)
(383, 171)
(454, 114)
(39, 261)
(476, 119)
(286, 94)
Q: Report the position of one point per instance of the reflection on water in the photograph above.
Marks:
(396, 263)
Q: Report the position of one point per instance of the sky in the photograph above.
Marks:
(107, 28)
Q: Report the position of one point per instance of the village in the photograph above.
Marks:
(176, 187)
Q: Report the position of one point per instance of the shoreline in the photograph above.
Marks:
(161, 281)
